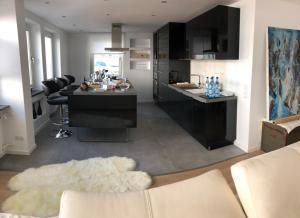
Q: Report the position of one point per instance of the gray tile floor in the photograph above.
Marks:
(159, 145)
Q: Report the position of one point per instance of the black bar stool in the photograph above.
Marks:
(71, 79)
(64, 90)
(50, 87)
(64, 86)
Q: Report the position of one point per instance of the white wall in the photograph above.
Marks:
(236, 74)
(14, 78)
(2, 151)
(141, 79)
(81, 45)
(276, 13)
(38, 28)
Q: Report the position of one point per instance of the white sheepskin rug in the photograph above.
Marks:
(39, 189)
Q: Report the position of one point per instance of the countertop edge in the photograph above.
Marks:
(35, 92)
(199, 98)
(129, 92)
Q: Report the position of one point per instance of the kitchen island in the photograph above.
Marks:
(98, 109)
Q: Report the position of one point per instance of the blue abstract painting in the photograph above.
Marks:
(283, 72)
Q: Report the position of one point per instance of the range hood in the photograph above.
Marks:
(116, 39)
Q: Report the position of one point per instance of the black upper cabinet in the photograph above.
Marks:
(214, 34)
(171, 41)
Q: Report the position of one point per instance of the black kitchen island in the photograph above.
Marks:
(98, 110)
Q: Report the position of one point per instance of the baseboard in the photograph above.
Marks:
(146, 101)
(19, 150)
(254, 149)
(247, 149)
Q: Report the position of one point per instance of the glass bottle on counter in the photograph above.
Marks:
(206, 86)
(211, 87)
(217, 88)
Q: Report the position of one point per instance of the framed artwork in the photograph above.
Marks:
(283, 72)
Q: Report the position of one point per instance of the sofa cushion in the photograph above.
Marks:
(269, 185)
(8, 215)
(103, 205)
(206, 196)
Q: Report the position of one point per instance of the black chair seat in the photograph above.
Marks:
(57, 100)
(65, 92)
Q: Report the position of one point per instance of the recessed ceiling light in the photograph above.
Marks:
(164, 1)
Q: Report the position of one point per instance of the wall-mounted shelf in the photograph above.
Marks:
(140, 65)
(139, 59)
(139, 48)
(140, 43)
(140, 54)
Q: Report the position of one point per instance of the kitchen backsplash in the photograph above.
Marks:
(207, 68)
(231, 73)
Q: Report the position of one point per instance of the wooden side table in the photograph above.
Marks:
(275, 136)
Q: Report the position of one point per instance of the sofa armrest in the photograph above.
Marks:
(268, 185)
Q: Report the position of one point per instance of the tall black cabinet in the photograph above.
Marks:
(168, 65)
(212, 35)
(155, 66)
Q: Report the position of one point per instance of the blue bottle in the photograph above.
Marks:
(217, 88)
(206, 86)
(211, 87)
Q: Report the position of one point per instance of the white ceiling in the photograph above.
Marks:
(135, 15)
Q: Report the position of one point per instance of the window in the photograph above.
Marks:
(49, 56)
(106, 61)
(29, 55)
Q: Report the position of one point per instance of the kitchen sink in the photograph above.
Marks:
(196, 91)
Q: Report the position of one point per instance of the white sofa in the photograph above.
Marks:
(268, 187)
(207, 195)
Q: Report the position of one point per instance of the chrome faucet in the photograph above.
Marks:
(199, 78)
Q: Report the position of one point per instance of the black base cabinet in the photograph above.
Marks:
(215, 123)
(180, 108)
(212, 124)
